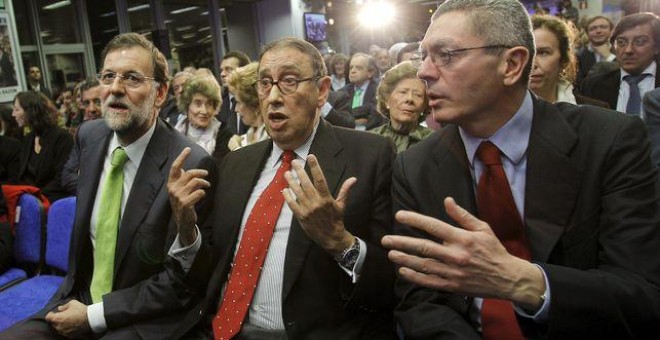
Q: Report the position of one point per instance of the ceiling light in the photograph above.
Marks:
(138, 7)
(57, 5)
(183, 10)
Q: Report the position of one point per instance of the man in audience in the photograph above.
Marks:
(362, 91)
(599, 29)
(636, 39)
(170, 112)
(228, 115)
(522, 219)
(652, 120)
(119, 283)
(34, 81)
(308, 269)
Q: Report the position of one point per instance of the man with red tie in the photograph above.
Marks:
(521, 218)
(293, 250)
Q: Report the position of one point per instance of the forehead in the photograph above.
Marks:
(449, 29)
(230, 62)
(639, 30)
(360, 60)
(414, 83)
(92, 92)
(179, 80)
(126, 59)
(543, 36)
(285, 59)
(34, 69)
(599, 22)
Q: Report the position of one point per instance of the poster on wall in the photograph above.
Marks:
(8, 56)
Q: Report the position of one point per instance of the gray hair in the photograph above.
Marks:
(498, 22)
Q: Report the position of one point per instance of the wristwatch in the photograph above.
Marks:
(350, 255)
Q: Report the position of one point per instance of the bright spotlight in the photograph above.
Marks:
(376, 14)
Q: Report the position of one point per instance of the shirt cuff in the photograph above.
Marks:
(325, 109)
(185, 255)
(541, 316)
(96, 318)
(357, 268)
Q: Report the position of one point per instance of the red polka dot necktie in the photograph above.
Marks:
(496, 206)
(251, 254)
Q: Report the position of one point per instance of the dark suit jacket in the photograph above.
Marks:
(227, 115)
(652, 117)
(368, 109)
(591, 214)
(340, 115)
(318, 299)
(145, 297)
(586, 60)
(10, 155)
(605, 87)
(56, 143)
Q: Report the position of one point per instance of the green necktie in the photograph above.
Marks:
(107, 224)
(357, 100)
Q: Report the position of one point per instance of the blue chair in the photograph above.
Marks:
(28, 246)
(29, 296)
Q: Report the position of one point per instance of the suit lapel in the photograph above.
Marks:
(148, 181)
(553, 181)
(327, 150)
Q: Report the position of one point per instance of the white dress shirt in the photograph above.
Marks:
(135, 152)
(647, 84)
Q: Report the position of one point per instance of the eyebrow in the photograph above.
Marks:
(286, 68)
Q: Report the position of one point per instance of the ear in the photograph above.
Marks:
(161, 95)
(515, 60)
(324, 90)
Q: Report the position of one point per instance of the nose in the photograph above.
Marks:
(117, 87)
(275, 96)
(427, 71)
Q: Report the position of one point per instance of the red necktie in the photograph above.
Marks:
(496, 206)
(251, 255)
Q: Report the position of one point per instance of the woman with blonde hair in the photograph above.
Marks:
(241, 84)
(200, 101)
(402, 97)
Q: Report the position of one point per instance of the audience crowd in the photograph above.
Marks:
(496, 179)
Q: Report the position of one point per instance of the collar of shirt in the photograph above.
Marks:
(301, 152)
(364, 86)
(512, 138)
(651, 69)
(134, 151)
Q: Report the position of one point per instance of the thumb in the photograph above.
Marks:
(466, 220)
(342, 197)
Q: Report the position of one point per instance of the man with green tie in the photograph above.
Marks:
(119, 282)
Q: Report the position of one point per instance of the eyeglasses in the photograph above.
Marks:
(130, 79)
(96, 101)
(442, 56)
(637, 42)
(286, 85)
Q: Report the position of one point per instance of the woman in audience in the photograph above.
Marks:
(45, 149)
(402, 97)
(337, 71)
(554, 66)
(8, 126)
(200, 100)
(241, 84)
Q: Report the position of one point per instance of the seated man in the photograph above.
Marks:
(521, 219)
(308, 269)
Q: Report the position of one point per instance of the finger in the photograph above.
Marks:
(291, 201)
(195, 184)
(187, 176)
(317, 174)
(423, 265)
(463, 217)
(50, 317)
(342, 197)
(193, 198)
(426, 280)
(305, 183)
(175, 169)
(294, 186)
(432, 226)
(416, 246)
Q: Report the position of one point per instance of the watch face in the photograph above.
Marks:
(350, 258)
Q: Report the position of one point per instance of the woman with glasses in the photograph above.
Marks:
(402, 98)
(201, 100)
(45, 149)
(242, 85)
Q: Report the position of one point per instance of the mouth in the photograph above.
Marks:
(435, 99)
(118, 106)
(277, 120)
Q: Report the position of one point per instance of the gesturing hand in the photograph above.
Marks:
(469, 261)
(320, 215)
(186, 188)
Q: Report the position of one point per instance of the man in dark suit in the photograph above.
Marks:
(599, 29)
(228, 115)
(637, 45)
(652, 120)
(361, 91)
(324, 275)
(135, 297)
(34, 81)
(521, 219)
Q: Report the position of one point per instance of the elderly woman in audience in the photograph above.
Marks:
(200, 101)
(241, 84)
(402, 97)
(45, 149)
(554, 64)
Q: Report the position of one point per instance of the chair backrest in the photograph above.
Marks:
(29, 231)
(58, 232)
